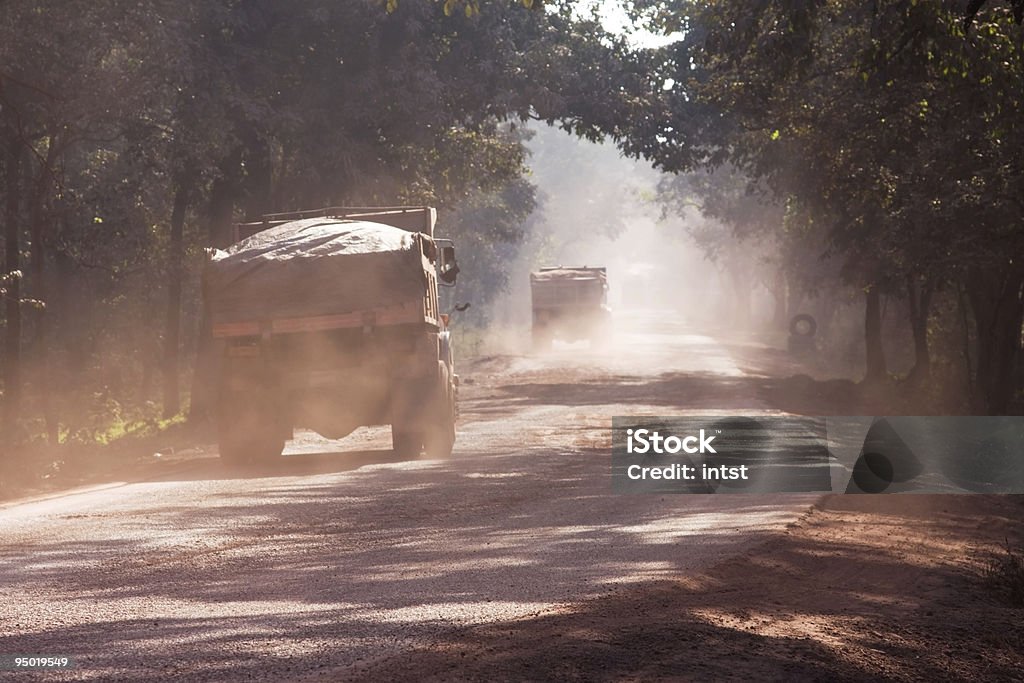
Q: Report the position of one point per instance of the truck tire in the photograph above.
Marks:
(406, 443)
(246, 431)
(439, 437)
(430, 425)
(250, 451)
(406, 421)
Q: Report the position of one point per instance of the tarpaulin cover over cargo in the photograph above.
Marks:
(560, 287)
(314, 267)
(563, 274)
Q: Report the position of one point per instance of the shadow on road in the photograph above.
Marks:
(246, 581)
(291, 465)
(799, 395)
(836, 600)
(295, 567)
(853, 607)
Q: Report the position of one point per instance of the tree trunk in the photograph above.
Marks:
(780, 318)
(204, 379)
(794, 298)
(997, 301)
(149, 343)
(875, 354)
(742, 291)
(920, 299)
(41, 366)
(222, 211)
(12, 300)
(172, 325)
(965, 328)
(259, 175)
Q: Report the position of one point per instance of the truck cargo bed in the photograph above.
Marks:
(322, 273)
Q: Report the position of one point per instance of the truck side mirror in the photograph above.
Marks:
(448, 267)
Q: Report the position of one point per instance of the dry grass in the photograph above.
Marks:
(1003, 572)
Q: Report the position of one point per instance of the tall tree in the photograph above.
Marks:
(844, 109)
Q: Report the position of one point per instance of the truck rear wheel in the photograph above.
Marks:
(246, 431)
(439, 438)
(245, 451)
(407, 443)
(428, 423)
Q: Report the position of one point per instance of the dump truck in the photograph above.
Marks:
(570, 303)
(329, 320)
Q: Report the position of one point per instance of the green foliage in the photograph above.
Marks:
(848, 109)
(891, 134)
(470, 8)
(120, 108)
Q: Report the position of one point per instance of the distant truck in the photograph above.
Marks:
(329, 319)
(570, 304)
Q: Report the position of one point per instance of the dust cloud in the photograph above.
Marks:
(597, 208)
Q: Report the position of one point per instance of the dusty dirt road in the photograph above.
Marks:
(342, 557)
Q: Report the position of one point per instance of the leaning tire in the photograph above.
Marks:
(803, 325)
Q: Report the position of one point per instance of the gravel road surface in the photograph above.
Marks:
(342, 555)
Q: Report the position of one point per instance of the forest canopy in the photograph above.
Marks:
(134, 134)
(882, 139)
(871, 148)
